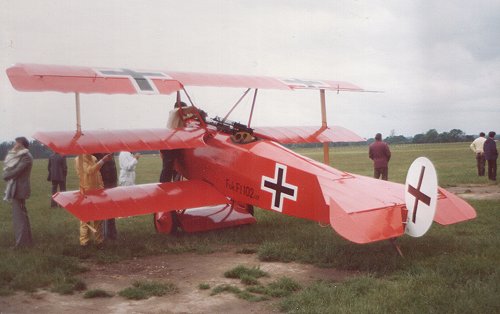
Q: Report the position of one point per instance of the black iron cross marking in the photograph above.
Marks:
(305, 83)
(278, 187)
(419, 196)
(140, 80)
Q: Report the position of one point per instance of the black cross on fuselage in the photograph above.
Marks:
(278, 187)
(419, 196)
(141, 78)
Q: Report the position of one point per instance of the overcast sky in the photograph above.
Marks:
(438, 62)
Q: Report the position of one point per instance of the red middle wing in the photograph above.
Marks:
(90, 142)
(308, 134)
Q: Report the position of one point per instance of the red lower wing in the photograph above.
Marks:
(139, 199)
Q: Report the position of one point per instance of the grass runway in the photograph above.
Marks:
(452, 269)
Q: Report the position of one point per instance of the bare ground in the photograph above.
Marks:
(186, 271)
(477, 192)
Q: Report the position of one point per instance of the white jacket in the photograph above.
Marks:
(127, 168)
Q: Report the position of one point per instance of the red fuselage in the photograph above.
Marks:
(261, 173)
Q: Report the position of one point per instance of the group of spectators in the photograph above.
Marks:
(484, 148)
(95, 172)
(486, 151)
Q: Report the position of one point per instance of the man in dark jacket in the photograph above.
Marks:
(110, 180)
(18, 190)
(380, 153)
(491, 155)
(58, 170)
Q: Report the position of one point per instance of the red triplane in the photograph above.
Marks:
(229, 167)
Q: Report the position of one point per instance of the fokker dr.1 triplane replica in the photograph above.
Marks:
(229, 168)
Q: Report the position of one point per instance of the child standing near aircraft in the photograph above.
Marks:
(90, 179)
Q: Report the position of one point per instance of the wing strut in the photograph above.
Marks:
(236, 104)
(326, 149)
(253, 106)
(78, 134)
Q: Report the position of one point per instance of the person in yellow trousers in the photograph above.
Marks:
(90, 179)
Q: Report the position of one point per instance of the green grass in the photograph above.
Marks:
(145, 289)
(450, 269)
(68, 285)
(254, 291)
(247, 275)
(203, 286)
(242, 294)
(97, 293)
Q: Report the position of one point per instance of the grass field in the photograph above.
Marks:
(451, 269)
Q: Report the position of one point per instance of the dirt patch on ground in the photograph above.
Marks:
(477, 192)
(186, 271)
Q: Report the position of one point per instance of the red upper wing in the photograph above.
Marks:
(66, 79)
(89, 142)
(307, 134)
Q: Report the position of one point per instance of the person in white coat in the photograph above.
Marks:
(128, 162)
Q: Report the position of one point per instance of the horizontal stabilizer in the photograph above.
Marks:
(308, 134)
(367, 226)
(364, 209)
(89, 142)
(452, 209)
(135, 200)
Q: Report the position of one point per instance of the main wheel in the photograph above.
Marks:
(165, 222)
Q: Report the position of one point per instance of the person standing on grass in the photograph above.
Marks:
(491, 155)
(380, 153)
(17, 171)
(128, 162)
(477, 147)
(58, 170)
(110, 180)
(90, 179)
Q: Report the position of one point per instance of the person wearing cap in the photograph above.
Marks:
(380, 153)
(491, 155)
(17, 171)
(477, 146)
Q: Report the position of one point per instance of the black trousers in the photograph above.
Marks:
(381, 173)
(55, 185)
(168, 172)
(492, 169)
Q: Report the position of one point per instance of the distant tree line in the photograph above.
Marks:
(431, 136)
(38, 150)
